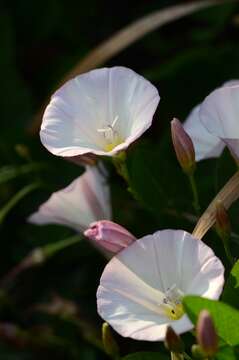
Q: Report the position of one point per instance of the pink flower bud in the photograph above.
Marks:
(110, 235)
(183, 146)
(223, 224)
(206, 334)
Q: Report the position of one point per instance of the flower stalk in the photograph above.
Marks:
(223, 228)
(38, 256)
(227, 196)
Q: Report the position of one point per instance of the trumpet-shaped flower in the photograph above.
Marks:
(100, 112)
(219, 114)
(207, 143)
(141, 288)
(85, 200)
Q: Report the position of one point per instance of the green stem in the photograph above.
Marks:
(195, 193)
(37, 257)
(186, 356)
(50, 249)
(16, 198)
(228, 251)
(119, 162)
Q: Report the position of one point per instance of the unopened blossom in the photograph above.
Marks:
(85, 200)
(100, 112)
(142, 287)
(183, 147)
(111, 236)
(207, 143)
(206, 334)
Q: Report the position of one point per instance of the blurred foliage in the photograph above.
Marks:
(40, 42)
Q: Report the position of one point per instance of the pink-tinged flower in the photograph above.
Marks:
(111, 236)
(100, 112)
(219, 114)
(85, 200)
(142, 287)
(207, 143)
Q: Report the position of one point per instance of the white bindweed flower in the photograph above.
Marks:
(141, 288)
(206, 146)
(207, 143)
(219, 113)
(100, 112)
(85, 200)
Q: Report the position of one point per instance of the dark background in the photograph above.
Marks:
(40, 41)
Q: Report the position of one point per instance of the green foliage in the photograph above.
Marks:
(40, 42)
(231, 290)
(146, 356)
(225, 317)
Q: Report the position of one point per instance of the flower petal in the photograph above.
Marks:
(219, 114)
(205, 144)
(92, 101)
(133, 283)
(85, 200)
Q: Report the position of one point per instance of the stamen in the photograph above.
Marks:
(172, 304)
(111, 135)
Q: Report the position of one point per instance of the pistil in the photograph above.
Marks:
(172, 304)
(111, 135)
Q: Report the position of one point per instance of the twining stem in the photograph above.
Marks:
(228, 194)
(193, 184)
(38, 256)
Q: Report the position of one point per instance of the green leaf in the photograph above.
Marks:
(225, 317)
(226, 353)
(146, 356)
(231, 290)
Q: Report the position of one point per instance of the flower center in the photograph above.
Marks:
(111, 136)
(172, 304)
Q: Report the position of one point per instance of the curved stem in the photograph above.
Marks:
(228, 194)
(195, 194)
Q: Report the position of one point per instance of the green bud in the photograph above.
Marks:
(23, 151)
(197, 352)
(110, 345)
(173, 341)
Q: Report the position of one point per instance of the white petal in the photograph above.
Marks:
(219, 113)
(206, 145)
(133, 282)
(92, 101)
(85, 200)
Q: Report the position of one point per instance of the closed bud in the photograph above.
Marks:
(197, 352)
(206, 334)
(223, 225)
(110, 345)
(173, 341)
(111, 236)
(183, 147)
(23, 151)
